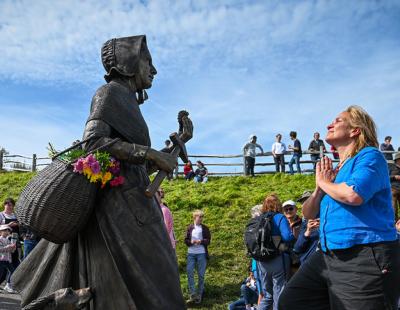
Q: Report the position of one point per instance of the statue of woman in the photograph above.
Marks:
(124, 254)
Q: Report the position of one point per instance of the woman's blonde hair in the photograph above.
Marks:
(271, 204)
(360, 119)
(198, 213)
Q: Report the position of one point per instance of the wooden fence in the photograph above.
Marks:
(22, 163)
(235, 166)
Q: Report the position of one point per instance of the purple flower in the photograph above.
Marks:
(95, 167)
(114, 167)
(90, 159)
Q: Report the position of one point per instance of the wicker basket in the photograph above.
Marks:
(57, 202)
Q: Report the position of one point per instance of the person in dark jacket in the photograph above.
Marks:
(394, 172)
(387, 147)
(315, 148)
(308, 237)
(197, 239)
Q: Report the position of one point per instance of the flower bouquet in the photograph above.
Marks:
(100, 167)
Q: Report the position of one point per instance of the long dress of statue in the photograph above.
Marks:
(124, 253)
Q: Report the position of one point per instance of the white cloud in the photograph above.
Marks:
(259, 66)
(60, 40)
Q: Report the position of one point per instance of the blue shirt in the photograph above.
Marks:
(343, 226)
(281, 227)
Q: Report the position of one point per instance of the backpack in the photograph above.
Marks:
(258, 238)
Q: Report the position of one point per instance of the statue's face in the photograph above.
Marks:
(146, 71)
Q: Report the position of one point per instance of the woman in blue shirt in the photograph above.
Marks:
(358, 266)
(275, 272)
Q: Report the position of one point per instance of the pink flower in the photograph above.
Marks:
(117, 181)
(79, 165)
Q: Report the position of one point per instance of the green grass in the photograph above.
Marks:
(226, 202)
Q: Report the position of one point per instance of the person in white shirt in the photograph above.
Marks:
(197, 239)
(278, 151)
(249, 151)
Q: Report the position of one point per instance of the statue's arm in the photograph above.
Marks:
(100, 133)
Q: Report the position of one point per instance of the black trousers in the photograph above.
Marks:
(279, 162)
(250, 161)
(364, 277)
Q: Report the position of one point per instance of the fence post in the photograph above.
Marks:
(321, 151)
(244, 165)
(34, 162)
(1, 159)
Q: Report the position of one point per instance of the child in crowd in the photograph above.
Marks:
(6, 248)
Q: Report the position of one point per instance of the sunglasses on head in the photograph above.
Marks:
(289, 209)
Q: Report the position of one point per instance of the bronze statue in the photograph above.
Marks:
(123, 255)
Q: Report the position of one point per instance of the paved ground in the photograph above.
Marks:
(9, 301)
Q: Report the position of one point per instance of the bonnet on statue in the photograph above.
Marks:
(122, 55)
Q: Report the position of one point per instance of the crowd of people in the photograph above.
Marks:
(347, 241)
(12, 235)
(279, 149)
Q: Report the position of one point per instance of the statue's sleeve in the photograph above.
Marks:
(99, 133)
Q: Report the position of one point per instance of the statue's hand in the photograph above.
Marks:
(187, 129)
(164, 161)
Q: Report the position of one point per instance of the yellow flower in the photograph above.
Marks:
(87, 171)
(106, 177)
(95, 177)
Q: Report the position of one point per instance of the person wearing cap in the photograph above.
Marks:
(358, 264)
(394, 171)
(7, 247)
(249, 151)
(308, 237)
(290, 211)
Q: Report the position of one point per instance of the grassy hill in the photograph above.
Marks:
(226, 203)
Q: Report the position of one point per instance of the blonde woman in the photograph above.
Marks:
(197, 239)
(358, 264)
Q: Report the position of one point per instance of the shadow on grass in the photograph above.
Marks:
(217, 297)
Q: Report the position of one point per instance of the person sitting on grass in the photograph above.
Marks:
(248, 296)
(201, 173)
(6, 248)
(188, 171)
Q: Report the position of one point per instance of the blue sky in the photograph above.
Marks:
(238, 67)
